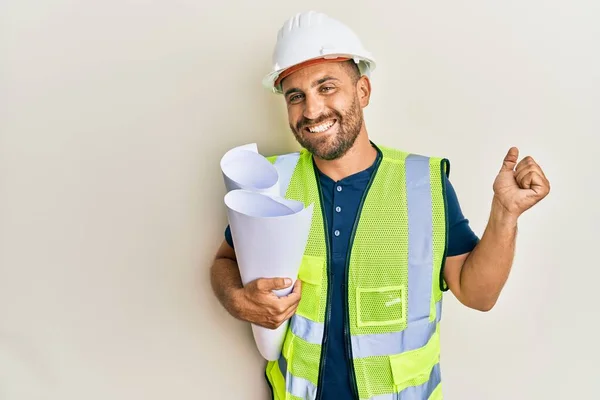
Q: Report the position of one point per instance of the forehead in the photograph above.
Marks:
(307, 76)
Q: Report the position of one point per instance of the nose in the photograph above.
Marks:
(313, 107)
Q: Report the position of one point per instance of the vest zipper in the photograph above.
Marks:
(319, 394)
(353, 385)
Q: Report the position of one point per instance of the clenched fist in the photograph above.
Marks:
(518, 187)
(256, 302)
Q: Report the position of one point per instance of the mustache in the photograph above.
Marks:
(303, 122)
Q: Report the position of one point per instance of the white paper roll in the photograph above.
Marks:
(269, 232)
(244, 168)
(269, 241)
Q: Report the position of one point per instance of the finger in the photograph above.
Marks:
(290, 300)
(290, 312)
(296, 290)
(530, 162)
(510, 160)
(528, 167)
(290, 309)
(538, 168)
(521, 171)
(269, 284)
(297, 287)
(535, 181)
(525, 163)
(539, 184)
(525, 181)
(278, 309)
(277, 321)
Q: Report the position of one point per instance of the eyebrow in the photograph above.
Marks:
(315, 83)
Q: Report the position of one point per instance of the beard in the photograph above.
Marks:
(330, 146)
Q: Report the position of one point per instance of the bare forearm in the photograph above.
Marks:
(478, 280)
(487, 268)
(254, 302)
(225, 281)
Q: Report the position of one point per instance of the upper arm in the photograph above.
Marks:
(461, 238)
(461, 241)
(225, 251)
(452, 269)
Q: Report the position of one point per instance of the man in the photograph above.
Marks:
(387, 237)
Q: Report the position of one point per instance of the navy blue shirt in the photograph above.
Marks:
(341, 201)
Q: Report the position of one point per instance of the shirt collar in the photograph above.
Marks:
(364, 174)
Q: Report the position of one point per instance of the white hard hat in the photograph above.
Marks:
(311, 35)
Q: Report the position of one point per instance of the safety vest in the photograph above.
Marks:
(393, 284)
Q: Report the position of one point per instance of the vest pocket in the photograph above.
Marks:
(311, 275)
(380, 306)
(413, 368)
(311, 270)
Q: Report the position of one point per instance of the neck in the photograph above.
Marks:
(360, 157)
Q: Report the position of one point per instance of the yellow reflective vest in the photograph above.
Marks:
(394, 283)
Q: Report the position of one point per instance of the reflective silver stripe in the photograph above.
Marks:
(297, 386)
(421, 392)
(420, 237)
(310, 331)
(414, 336)
(301, 387)
(285, 166)
(389, 396)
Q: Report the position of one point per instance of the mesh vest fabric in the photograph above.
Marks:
(393, 286)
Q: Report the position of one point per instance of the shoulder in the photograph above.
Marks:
(433, 162)
(393, 152)
(295, 155)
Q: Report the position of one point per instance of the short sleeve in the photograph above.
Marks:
(228, 237)
(461, 238)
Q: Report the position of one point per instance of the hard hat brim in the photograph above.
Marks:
(366, 66)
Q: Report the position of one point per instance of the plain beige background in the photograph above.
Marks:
(114, 115)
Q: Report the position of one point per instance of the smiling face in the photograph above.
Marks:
(325, 103)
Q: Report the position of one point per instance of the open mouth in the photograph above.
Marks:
(323, 127)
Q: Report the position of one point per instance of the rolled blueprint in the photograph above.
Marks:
(244, 168)
(269, 232)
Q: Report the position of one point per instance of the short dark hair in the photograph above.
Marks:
(352, 69)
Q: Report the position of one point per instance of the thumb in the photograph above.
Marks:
(510, 160)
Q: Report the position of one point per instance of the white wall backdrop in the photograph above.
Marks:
(114, 115)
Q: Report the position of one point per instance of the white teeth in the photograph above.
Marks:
(322, 127)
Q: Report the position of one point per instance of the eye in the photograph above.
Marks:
(295, 98)
(327, 88)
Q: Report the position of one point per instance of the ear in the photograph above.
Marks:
(363, 89)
